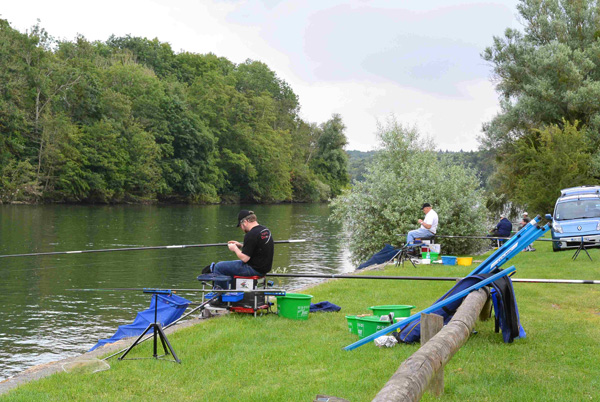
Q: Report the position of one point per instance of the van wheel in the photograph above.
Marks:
(556, 246)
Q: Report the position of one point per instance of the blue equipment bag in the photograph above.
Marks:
(385, 254)
(505, 309)
(170, 308)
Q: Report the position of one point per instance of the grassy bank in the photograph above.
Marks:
(271, 358)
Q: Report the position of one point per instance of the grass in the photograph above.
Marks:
(238, 357)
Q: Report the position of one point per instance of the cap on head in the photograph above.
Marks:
(502, 216)
(426, 205)
(243, 214)
(525, 213)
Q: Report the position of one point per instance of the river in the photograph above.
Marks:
(44, 320)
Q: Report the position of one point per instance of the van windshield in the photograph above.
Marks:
(577, 209)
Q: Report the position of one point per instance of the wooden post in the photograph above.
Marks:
(431, 324)
(411, 379)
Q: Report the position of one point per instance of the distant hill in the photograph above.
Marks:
(357, 164)
(481, 161)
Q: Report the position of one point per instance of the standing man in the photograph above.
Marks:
(525, 220)
(255, 255)
(428, 225)
(522, 224)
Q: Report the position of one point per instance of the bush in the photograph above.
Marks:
(404, 175)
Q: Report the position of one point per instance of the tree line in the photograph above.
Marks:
(130, 120)
(547, 134)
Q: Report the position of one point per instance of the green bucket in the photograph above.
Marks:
(432, 256)
(352, 324)
(369, 325)
(294, 305)
(399, 310)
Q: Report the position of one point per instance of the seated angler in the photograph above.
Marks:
(428, 226)
(502, 229)
(255, 254)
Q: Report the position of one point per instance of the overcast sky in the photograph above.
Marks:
(417, 59)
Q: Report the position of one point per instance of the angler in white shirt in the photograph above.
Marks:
(428, 225)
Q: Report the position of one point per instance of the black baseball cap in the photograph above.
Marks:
(426, 205)
(243, 214)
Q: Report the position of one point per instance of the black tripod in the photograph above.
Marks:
(157, 327)
(404, 254)
(581, 247)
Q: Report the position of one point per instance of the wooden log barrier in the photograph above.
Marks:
(414, 375)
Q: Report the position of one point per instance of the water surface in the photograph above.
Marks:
(43, 321)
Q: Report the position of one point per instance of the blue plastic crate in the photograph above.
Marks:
(448, 260)
(232, 296)
(210, 295)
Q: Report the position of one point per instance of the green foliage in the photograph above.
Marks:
(547, 76)
(405, 173)
(18, 182)
(357, 164)
(131, 120)
(549, 159)
(330, 162)
(306, 187)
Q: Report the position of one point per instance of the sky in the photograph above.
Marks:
(416, 60)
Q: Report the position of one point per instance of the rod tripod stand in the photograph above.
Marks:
(158, 332)
(403, 255)
(581, 247)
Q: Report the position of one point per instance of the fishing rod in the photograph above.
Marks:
(153, 290)
(480, 237)
(433, 278)
(136, 248)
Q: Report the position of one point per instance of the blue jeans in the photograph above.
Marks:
(231, 268)
(418, 234)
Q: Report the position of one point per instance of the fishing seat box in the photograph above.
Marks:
(250, 302)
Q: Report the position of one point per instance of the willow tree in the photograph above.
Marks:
(406, 173)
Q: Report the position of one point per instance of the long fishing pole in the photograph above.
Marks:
(564, 281)
(135, 248)
(150, 290)
(482, 237)
(434, 278)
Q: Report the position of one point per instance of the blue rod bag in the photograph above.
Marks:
(170, 308)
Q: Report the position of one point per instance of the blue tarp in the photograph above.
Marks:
(382, 256)
(170, 308)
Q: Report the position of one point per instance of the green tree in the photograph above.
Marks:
(130, 120)
(404, 174)
(547, 76)
(330, 161)
(552, 159)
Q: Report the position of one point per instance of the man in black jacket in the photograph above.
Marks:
(255, 255)
(502, 229)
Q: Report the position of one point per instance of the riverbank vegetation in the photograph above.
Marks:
(272, 358)
(130, 120)
(406, 173)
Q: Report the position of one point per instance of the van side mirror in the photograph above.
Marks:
(548, 216)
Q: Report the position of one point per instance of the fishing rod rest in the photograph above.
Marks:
(158, 332)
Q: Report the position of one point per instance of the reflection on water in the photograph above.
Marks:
(44, 321)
